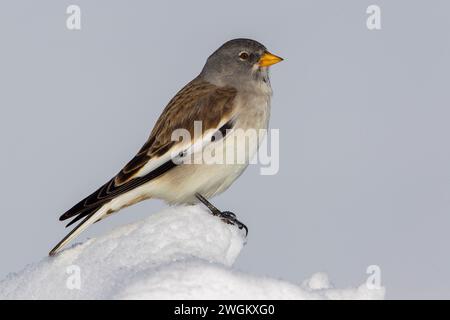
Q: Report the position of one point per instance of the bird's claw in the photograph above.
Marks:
(226, 216)
(230, 218)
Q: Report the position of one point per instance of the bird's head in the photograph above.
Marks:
(238, 62)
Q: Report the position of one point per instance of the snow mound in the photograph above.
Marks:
(179, 253)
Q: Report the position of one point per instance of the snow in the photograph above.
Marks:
(178, 253)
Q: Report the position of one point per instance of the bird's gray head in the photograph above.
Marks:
(239, 63)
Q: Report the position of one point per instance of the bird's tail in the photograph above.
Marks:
(90, 219)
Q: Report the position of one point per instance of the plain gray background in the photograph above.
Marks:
(363, 116)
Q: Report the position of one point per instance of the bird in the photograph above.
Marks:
(232, 92)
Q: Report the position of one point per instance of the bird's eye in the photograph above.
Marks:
(244, 55)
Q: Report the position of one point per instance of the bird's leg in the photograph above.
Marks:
(226, 216)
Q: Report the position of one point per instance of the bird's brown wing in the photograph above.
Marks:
(197, 101)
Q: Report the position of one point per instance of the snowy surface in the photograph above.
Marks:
(179, 253)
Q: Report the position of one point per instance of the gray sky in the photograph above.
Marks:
(363, 116)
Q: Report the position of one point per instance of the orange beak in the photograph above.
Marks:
(268, 59)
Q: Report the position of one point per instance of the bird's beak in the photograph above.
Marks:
(268, 59)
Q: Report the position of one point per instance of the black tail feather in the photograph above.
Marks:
(83, 213)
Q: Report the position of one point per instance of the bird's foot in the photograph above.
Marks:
(230, 218)
(226, 216)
